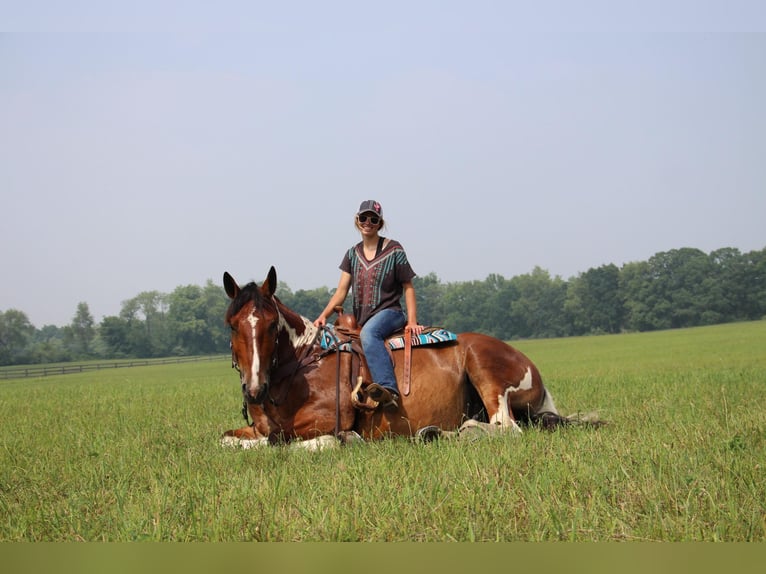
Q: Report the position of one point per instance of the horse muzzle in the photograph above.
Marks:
(254, 395)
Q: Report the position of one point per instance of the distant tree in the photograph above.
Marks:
(186, 318)
(15, 334)
(593, 301)
(680, 279)
(725, 287)
(195, 319)
(311, 303)
(115, 335)
(538, 310)
(755, 285)
(493, 304)
(81, 331)
(146, 327)
(429, 293)
(671, 290)
(216, 303)
(639, 298)
(459, 304)
(48, 345)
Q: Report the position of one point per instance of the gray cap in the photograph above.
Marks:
(370, 205)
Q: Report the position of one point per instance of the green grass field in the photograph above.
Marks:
(133, 454)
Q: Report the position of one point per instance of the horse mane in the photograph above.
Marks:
(252, 293)
(247, 294)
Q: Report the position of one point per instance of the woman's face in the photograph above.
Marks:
(368, 223)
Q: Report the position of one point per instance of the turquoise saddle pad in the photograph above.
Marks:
(330, 340)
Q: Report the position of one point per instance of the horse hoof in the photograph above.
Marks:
(350, 437)
(428, 434)
(317, 444)
(229, 441)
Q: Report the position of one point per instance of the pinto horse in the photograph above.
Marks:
(291, 388)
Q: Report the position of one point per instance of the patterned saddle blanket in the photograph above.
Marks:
(331, 341)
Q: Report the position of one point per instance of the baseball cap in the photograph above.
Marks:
(370, 205)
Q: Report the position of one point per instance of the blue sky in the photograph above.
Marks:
(162, 144)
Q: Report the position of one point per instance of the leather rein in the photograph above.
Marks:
(308, 357)
(280, 372)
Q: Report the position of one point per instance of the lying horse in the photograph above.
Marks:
(292, 390)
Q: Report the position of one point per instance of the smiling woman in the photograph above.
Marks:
(377, 271)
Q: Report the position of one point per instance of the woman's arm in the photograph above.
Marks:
(344, 284)
(412, 308)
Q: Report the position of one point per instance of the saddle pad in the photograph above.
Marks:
(329, 339)
(431, 337)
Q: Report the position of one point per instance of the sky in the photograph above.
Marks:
(160, 144)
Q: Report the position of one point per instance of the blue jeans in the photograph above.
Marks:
(373, 336)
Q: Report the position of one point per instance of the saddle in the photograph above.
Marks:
(353, 365)
(344, 339)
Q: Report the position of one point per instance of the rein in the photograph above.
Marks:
(280, 372)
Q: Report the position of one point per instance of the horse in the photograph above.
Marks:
(291, 385)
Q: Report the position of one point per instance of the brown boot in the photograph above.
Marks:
(383, 395)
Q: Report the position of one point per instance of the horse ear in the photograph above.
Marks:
(231, 287)
(270, 285)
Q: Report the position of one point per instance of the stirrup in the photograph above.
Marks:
(382, 395)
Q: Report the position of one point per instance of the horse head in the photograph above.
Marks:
(253, 317)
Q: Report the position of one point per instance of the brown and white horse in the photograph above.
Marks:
(289, 383)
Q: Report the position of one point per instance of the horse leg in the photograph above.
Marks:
(255, 434)
(508, 383)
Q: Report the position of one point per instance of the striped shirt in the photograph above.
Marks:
(377, 283)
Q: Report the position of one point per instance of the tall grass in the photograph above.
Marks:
(133, 455)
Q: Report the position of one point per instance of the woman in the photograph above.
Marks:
(377, 270)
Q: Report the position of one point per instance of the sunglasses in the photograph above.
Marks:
(363, 219)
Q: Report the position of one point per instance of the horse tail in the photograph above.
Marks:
(548, 417)
(548, 420)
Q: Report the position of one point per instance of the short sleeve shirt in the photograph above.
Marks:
(377, 283)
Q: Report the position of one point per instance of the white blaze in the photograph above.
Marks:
(256, 363)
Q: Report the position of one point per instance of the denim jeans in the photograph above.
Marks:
(373, 336)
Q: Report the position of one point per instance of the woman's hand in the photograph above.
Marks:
(415, 329)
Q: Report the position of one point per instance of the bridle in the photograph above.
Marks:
(278, 372)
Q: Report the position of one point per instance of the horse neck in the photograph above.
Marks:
(299, 331)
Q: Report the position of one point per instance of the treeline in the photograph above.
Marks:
(678, 288)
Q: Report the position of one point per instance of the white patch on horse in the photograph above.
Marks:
(298, 341)
(502, 417)
(256, 364)
(317, 444)
(244, 443)
(524, 384)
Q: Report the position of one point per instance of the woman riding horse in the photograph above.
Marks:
(292, 386)
(377, 271)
